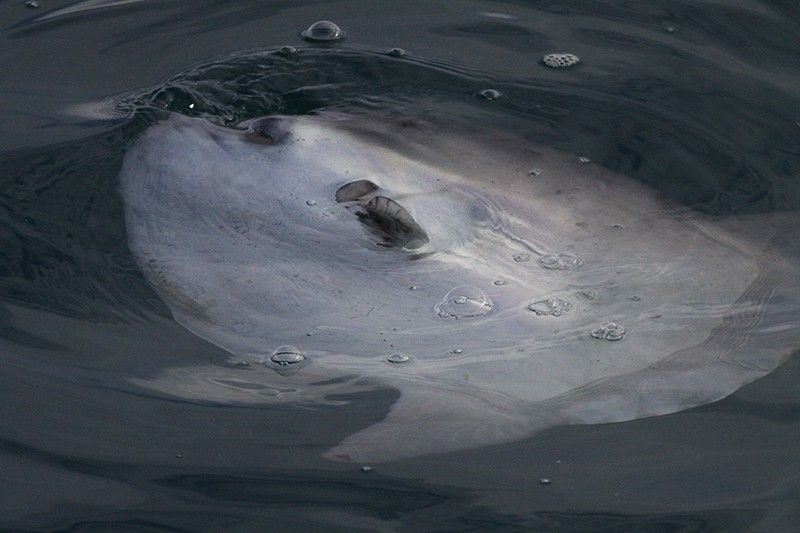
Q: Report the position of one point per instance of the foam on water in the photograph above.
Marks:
(560, 261)
(287, 355)
(550, 307)
(463, 302)
(323, 30)
(560, 60)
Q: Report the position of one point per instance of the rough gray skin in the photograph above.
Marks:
(222, 228)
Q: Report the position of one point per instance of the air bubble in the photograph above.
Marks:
(616, 226)
(323, 30)
(611, 331)
(534, 173)
(287, 50)
(457, 351)
(522, 257)
(32, 4)
(560, 60)
(366, 468)
(589, 294)
(489, 94)
(560, 261)
(464, 302)
(550, 307)
(287, 355)
(636, 298)
(396, 52)
(311, 203)
(398, 358)
(545, 481)
(500, 282)
(583, 160)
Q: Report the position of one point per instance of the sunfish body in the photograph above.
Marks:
(517, 301)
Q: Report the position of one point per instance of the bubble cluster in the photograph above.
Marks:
(611, 331)
(286, 355)
(560, 261)
(534, 173)
(323, 30)
(560, 60)
(550, 307)
(463, 302)
(522, 257)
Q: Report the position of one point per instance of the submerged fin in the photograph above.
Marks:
(428, 421)
(394, 223)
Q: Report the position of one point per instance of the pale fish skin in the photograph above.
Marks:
(242, 237)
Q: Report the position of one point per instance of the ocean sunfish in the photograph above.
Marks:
(338, 254)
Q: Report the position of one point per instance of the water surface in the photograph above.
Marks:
(698, 100)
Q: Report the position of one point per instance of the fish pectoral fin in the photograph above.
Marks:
(393, 223)
(428, 421)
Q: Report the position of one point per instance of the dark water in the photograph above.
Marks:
(700, 100)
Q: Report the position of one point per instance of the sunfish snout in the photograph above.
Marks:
(268, 130)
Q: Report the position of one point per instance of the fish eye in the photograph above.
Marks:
(267, 130)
